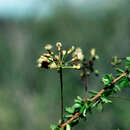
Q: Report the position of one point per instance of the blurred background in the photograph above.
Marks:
(29, 97)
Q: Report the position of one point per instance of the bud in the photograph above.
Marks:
(97, 57)
(59, 45)
(71, 49)
(77, 67)
(63, 52)
(57, 57)
(78, 53)
(96, 72)
(50, 59)
(87, 73)
(74, 59)
(92, 52)
(46, 55)
(39, 65)
(40, 60)
(53, 65)
(48, 47)
(43, 62)
(81, 75)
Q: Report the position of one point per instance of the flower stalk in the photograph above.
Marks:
(61, 96)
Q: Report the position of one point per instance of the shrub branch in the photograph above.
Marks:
(77, 115)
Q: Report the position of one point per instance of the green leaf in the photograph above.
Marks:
(127, 63)
(128, 76)
(128, 59)
(68, 115)
(99, 107)
(68, 127)
(94, 105)
(78, 101)
(124, 83)
(105, 100)
(82, 109)
(79, 98)
(75, 106)
(87, 105)
(96, 72)
(75, 121)
(59, 121)
(84, 112)
(115, 61)
(107, 79)
(70, 110)
(116, 88)
(54, 127)
(93, 92)
(120, 70)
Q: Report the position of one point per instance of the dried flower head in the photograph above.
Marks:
(79, 54)
(48, 47)
(58, 60)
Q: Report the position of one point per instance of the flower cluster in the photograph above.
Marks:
(52, 60)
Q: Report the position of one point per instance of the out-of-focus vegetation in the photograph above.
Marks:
(29, 98)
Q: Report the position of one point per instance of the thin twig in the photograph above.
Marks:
(77, 115)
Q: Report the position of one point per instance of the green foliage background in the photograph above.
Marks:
(29, 97)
